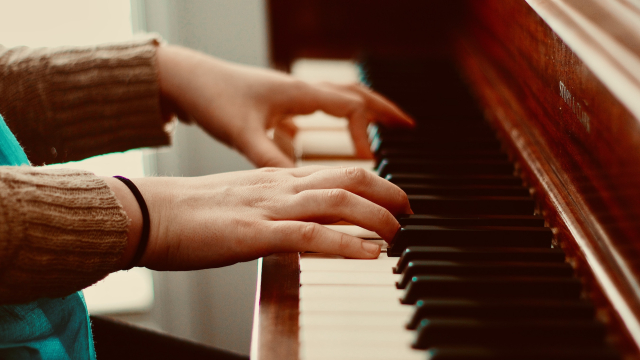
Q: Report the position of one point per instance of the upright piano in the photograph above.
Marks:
(523, 172)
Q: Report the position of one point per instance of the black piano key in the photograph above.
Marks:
(464, 190)
(512, 309)
(493, 268)
(421, 166)
(434, 143)
(470, 236)
(442, 128)
(391, 154)
(414, 253)
(542, 333)
(436, 140)
(427, 127)
(475, 220)
(516, 287)
(486, 205)
(442, 154)
(439, 179)
(536, 352)
(449, 139)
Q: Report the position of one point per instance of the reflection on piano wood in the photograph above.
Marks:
(511, 275)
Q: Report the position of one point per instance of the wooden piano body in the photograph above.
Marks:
(559, 81)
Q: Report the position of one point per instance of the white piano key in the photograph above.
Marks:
(377, 337)
(381, 257)
(350, 292)
(384, 265)
(354, 230)
(347, 278)
(328, 352)
(314, 142)
(341, 319)
(373, 305)
(336, 344)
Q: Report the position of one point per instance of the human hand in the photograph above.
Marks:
(237, 103)
(222, 219)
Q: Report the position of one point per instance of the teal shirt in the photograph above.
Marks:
(56, 329)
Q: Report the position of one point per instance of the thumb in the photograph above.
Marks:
(261, 151)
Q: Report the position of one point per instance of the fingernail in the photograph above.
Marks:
(371, 248)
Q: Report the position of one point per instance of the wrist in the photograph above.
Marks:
(190, 80)
(131, 207)
(175, 66)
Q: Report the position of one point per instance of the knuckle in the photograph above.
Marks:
(359, 178)
(298, 86)
(355, 174)
(382, 215)
(353, 86)
(336, 197)
(359, 102)
(269, 169)
(308, 232)
(344, 243)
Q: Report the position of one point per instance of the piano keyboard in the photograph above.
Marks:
(472, 275)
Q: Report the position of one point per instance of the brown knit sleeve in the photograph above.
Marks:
(67, 104)
(60, 231)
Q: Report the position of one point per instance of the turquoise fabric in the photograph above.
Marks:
(56, 329)
(11, 152)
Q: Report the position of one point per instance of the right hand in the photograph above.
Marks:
(222, 219)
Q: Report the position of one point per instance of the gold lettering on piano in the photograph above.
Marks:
(575, 106)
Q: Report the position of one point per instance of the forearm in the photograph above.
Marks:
(67, 104)
(60, 231)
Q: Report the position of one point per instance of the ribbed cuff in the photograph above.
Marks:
(95, 100)
(60, 231)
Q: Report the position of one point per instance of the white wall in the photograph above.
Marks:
(213, 306)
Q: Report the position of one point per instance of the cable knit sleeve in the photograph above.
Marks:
(67, 104)
(60, 231)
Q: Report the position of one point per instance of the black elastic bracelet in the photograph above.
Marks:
(146, 222)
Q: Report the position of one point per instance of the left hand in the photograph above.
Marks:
(238, 104)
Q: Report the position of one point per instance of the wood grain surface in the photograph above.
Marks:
(338, 29)
(278, 306)
(575, 141)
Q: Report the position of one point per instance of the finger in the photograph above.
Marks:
(386, 111)
(332, 205)
(308, 170)
(361, 182)
(330, 99)
(262, 152)
(341, 103)
(293, 236)
(362, 106)
(288, 126)
(284, 141)
(381, 109)
(358, 124)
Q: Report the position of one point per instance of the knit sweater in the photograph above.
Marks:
(63, 230)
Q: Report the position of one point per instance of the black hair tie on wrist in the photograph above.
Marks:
(146, 222)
